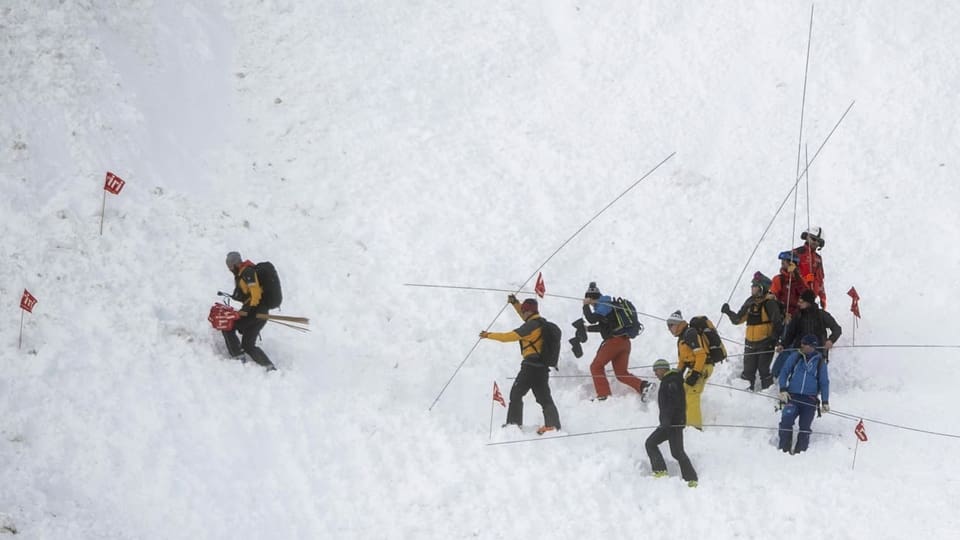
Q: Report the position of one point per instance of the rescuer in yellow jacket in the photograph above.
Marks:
(534, 373)
(247, 290)
(692, 351)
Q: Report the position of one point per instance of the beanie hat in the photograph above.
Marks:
(808, 296)
(661, 364)
(762, 281)
(789, 256)
(530, 304)
(675, 318)
(233, 259)
(592, 291)
(810, 339)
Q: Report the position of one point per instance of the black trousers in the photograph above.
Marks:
(249, 327)
(757, 358)
(675, 436)
(534, 378)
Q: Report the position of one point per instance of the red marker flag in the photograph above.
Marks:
(113, 183)
(540, 288)
(860, 432)
(855, 304)
(497, 396)
(27, 301)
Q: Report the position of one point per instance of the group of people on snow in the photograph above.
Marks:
(782, 318)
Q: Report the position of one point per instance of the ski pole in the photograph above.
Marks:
(637, 428)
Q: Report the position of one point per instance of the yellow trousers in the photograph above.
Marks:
(694, 418)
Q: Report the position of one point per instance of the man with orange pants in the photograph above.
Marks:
(598, 310)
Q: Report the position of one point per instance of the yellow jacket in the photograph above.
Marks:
(248, 289)
(692, 349)
(528, 334)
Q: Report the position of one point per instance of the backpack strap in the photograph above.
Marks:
(533, 343)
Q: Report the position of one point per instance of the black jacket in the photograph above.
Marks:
(672, 400)
(598, 323)
(812, 320)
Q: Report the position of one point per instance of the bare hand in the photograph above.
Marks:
(484, 333)
(828, 345)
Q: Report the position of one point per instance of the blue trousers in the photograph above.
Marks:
(803, 407)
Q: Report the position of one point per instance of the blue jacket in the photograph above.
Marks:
(807, 376)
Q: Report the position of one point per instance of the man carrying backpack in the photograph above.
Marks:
(673, 416)
(534, 372)
(761, 312)
(602, 313)
(804, 375)
(692, 352)
(250, 291)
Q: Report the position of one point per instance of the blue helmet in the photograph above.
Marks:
(789, 256)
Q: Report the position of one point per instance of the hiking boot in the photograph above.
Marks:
(545, 429)
(575, 346)
(600, 398)
(659, 474)
(581, 334)
(766, 382)
(692, 483)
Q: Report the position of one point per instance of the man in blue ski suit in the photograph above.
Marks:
(804, 375)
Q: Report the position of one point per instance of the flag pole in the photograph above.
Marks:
(20, 339)
(103, 208)
(855, 448)
(490, 436)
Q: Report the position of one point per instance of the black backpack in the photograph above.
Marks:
(626, 321)
(270, 284)
(716, 352)
(551, 336)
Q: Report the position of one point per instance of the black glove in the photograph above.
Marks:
(511, 299)
(576, 347)
(581, 331)
(692, 378)
(726, 309)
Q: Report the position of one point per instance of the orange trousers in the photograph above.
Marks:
(615, 349)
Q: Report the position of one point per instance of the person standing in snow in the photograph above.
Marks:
(788, 284)
(810, 319)
(692, 350)
(249, 291)
(761, 312)
(810, 262)
(534, 373)
(673, 417)
(598, 310)
(804, 376)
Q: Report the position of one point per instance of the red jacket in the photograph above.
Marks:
(811, 269)
(783, 287)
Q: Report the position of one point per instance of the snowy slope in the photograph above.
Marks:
(361, 146)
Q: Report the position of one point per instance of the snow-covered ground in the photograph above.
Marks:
(364, 145)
